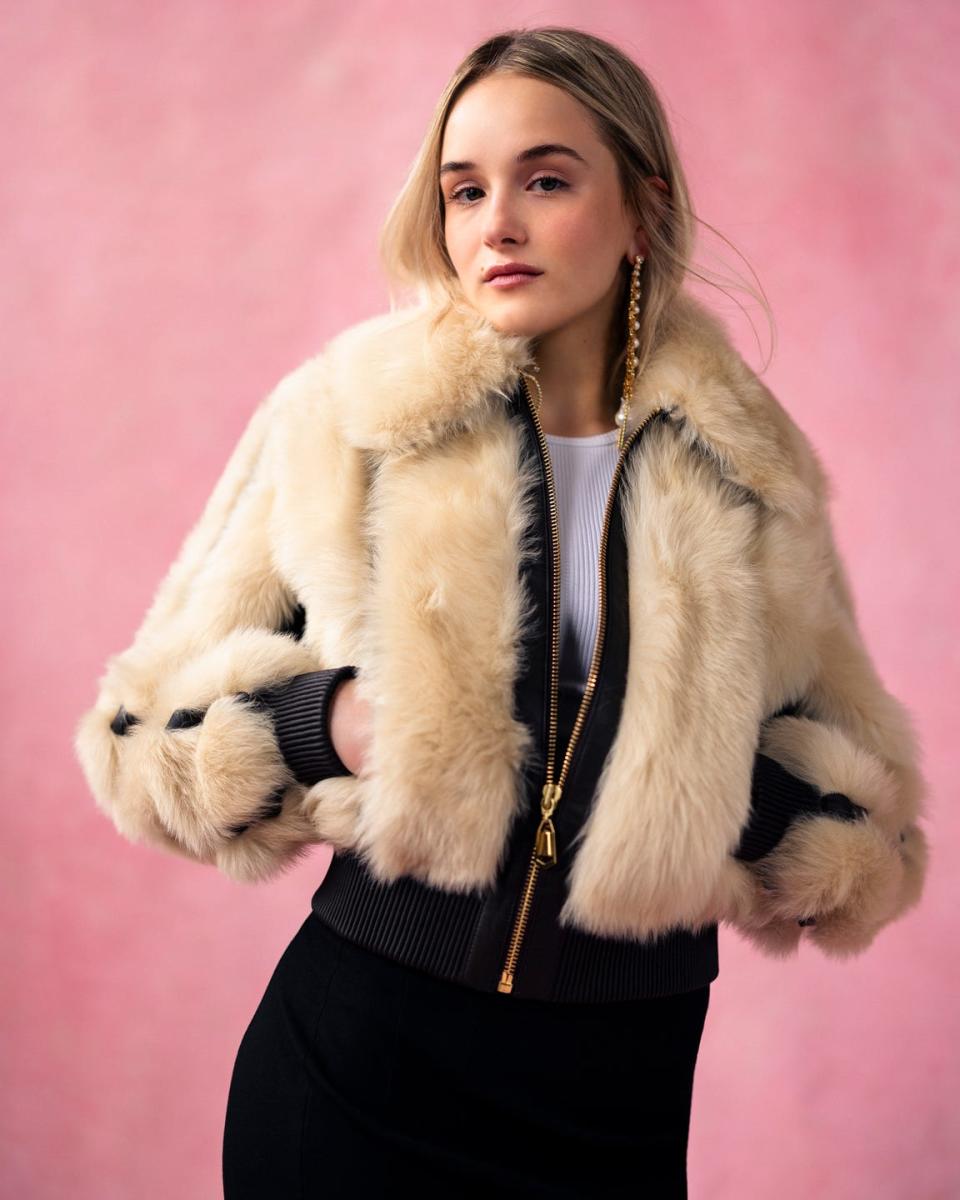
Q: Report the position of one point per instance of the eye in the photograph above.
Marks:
(551, 179)
(456, 196)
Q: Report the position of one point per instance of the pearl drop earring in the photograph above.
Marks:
(633, 344)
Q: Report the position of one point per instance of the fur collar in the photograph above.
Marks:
(411, 378)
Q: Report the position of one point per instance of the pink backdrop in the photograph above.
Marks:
(191, 194)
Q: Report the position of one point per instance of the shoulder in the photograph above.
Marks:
(408, 378)
(720, 405)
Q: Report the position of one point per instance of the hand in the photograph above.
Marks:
(350, 721)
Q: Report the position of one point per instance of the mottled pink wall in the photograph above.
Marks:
(190, 197)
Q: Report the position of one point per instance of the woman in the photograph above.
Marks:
(544, 788)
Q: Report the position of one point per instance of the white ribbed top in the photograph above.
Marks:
(582, 472)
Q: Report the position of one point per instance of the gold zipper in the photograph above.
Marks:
(545, 846)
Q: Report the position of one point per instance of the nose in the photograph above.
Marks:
(501, 222)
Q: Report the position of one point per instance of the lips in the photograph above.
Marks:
(510, 268)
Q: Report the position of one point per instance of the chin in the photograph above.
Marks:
(514, 323)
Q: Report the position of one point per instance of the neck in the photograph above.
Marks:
(578, 400)
(572, 378)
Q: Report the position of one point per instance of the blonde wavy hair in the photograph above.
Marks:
(631, 121)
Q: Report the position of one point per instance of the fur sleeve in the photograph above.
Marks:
(171, 750)
(854, 746)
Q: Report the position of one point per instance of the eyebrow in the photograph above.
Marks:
(541, 151)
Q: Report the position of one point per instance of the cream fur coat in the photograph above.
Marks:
(380, 486)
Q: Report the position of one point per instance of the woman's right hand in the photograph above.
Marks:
(350, 724)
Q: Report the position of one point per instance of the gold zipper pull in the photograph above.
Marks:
(550, 798)
(546, 846)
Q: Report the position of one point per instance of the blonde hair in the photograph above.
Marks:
(629, 118)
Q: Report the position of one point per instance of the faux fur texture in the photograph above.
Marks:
(183, 789)
(381, 485)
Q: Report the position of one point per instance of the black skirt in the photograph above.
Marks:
(358, 1075)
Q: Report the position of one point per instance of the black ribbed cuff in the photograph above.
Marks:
(300, 707)
(776, 797)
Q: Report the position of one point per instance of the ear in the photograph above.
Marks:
(640, 244)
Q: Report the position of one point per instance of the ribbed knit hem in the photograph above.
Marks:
(300, 708)
(434, 930)
(595, 968)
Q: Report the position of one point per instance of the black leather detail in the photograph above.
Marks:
(269, 810)
(295, 623)
(793, 708)
(122, 722)
(836, 804)
(186, 718)
(274, 806)
(739, 493)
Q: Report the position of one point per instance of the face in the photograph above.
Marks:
(560, 212)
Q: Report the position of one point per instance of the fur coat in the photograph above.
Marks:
(379, 485)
